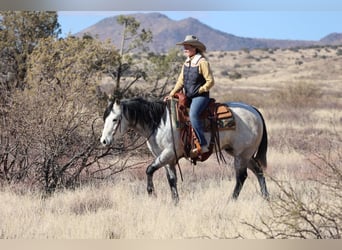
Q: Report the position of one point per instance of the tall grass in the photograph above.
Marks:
(124, 211)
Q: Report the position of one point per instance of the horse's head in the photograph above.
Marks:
(114, 123)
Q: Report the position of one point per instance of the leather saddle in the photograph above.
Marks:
(216, 117)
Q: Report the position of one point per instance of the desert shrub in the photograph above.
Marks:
(225, 72)
(298, 62)
(49, 139)
(246, 50)
(234, 75)
(294, 49)
(299, 95)
(314, 210)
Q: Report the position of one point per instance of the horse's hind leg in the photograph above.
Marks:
(172, 179)
(241, 175)
(258, 171)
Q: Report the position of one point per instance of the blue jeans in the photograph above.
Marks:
(197, 106)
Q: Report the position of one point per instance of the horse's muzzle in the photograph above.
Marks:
(104, 141)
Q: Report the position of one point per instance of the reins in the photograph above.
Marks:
(173, 140)
(117, 126)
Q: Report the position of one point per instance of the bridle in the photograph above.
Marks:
(117, 126)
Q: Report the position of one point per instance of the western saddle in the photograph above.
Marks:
(216, 117)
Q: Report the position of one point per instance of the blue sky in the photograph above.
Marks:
(278, 19)
(295, 25)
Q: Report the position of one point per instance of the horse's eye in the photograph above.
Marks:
(115, 120)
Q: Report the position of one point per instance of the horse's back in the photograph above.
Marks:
(244, 111)
(249, 127)
(242, 106)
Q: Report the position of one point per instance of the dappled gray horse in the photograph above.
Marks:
(247, 143)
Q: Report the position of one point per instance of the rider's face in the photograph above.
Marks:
(189, 50)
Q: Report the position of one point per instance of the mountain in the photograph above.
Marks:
(332, 39)
(167, 32)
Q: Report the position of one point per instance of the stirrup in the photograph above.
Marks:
(195, 152)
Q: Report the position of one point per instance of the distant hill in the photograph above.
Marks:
(167, 32)
(332, 39)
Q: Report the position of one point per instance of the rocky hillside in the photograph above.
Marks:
(166, 32)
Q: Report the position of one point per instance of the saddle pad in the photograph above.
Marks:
(225, 119)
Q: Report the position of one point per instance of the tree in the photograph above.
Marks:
(51, 141)
(20, 32)
(132, 39)
(162, 70)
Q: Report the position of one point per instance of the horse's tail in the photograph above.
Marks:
(260, 155)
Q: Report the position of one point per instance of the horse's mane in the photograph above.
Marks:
(148, 114)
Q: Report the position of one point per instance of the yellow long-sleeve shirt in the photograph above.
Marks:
(204, 69)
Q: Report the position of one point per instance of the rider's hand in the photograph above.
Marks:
(166, 98)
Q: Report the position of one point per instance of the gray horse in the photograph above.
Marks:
(247, 143)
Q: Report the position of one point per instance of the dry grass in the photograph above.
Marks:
(124, 211)
(299, 125)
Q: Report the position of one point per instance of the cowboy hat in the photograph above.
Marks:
(193, 41)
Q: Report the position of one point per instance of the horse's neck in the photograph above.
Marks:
(147, 133)
(146, 118)
(164, 128)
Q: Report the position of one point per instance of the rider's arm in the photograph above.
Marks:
(204, 69)
(179, 83)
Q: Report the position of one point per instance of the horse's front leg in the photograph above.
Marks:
(172, 179)
(149, 172)
(163, 159)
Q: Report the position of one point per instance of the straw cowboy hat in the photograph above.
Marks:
(193, 41)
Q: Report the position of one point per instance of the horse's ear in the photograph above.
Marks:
(109, 100)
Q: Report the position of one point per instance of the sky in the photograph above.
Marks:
(273, 19)
(278, 24)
